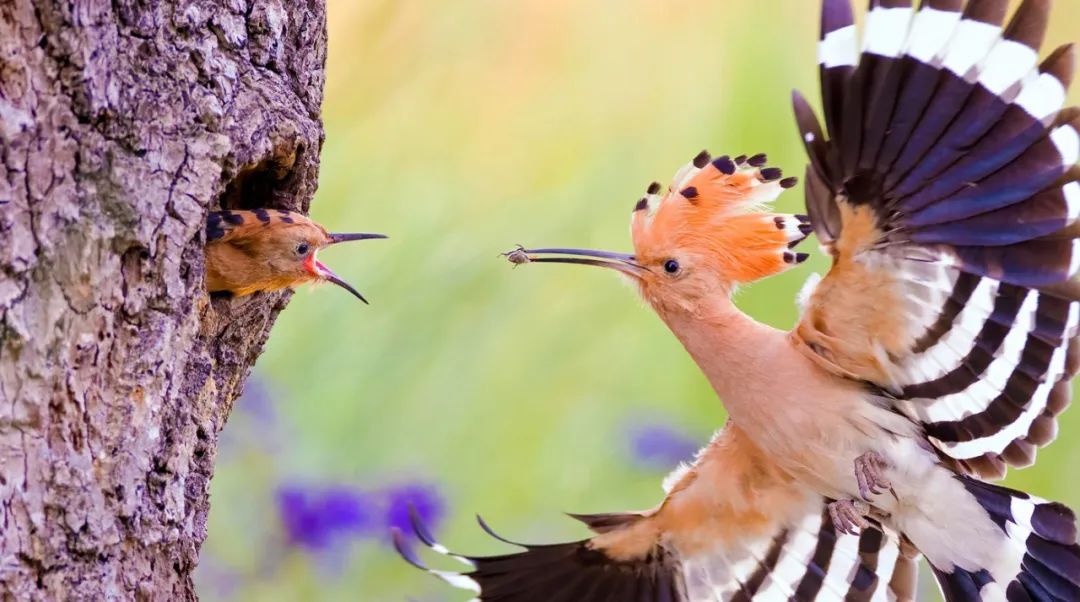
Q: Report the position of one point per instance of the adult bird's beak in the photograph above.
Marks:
(336, 237)
(621, 262)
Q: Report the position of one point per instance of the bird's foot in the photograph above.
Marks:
(849, 516)
(870, 474)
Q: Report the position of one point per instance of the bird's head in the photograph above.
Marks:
(706, 234)
(283, 247)
(293, 252)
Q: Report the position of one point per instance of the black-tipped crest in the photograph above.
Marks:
(724, 165)
(771, 173)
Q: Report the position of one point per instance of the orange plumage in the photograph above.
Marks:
(713, 219)
(268, 250)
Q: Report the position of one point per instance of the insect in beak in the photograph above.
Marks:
(620, 262)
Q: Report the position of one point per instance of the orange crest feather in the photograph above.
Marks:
(716, 210)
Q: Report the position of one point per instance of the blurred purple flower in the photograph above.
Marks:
(424, 498)
(314, 518)
(257, 401)
(317, 518)
(660, 446)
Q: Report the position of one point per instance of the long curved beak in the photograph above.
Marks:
(336, 237)
(620, 262)
(319, 270)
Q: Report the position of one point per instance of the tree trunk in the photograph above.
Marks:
(122, 123)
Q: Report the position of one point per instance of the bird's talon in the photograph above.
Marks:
(848, 516)
(870, 475)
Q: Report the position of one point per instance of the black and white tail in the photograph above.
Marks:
(1044, 556)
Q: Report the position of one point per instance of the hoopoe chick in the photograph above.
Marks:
(268, 250)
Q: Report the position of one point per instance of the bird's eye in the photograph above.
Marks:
(302, 248)
(671, 266)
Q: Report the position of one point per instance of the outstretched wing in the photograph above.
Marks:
(733, 527)
(946, 192)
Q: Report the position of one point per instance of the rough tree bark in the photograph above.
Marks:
(121, 123)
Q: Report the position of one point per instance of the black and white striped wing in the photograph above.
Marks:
(809, 560)
(804, 562)
(949, 129)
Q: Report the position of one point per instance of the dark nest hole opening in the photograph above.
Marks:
(271, 183)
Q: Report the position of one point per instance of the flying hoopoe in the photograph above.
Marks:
(268, 250)
(937, 351)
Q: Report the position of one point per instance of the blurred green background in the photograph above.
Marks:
(461, 128)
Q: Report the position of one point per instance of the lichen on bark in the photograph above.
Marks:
(122, 123)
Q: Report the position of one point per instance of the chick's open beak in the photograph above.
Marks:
(620, 262)
(319, 270)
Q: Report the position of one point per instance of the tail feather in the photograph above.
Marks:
(1049, 568)
(960, 585)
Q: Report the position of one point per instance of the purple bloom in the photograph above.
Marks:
(347, 510)
(660, 446)
(423, 498)
(316, 518)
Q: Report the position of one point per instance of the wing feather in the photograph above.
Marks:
(957, 220)
(715, 537)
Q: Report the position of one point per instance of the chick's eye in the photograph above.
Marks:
(302, 248)
(671, 266)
